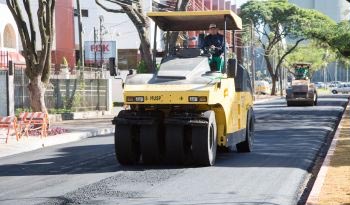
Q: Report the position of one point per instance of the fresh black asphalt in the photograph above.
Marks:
(287, 141)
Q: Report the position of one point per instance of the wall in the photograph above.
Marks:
(64, 28)
(3, 93)
(338, 10)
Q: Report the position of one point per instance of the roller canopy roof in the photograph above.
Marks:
(195, 20)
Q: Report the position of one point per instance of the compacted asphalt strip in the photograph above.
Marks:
(287, 142)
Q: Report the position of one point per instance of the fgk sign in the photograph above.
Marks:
(108, 49)
(97, 48)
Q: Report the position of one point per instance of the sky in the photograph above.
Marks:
(239, 2)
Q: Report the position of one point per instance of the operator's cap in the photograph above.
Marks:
(212, 25)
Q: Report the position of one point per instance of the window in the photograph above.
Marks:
(84, 12)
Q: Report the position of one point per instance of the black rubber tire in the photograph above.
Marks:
(334, 92)
(126, 144)
(175, 144)
(150, 143)
(247, 145)
(204, 141)
(316, 99)
(289, 103)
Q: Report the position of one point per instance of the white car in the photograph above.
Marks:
(342, 88)
(319, 85)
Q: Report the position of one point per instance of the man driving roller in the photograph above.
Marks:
(214, 42)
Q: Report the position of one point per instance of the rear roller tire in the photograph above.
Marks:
(247, 145)
(126, 144)
(150, 143)
(315, 99)
(204, 142)
(176, 150)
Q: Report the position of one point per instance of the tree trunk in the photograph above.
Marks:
(146, 54)
(36, 94)
(272, 74)
(273, 90)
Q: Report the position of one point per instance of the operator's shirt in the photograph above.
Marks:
(216, 40)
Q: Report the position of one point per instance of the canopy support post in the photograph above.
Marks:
(225, 50)
(155, 48)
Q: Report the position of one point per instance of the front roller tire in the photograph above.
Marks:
(176, 150)
(150, 143)
(126, 144)
(204, 141)
(247, 145)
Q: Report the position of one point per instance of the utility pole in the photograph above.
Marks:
(336, 71)
(101, 48)
(80, 28)
(95, 39)
(252, 55)
(325, 76)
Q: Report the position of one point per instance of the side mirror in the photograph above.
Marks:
(111, 67)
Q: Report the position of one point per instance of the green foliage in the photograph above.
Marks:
(318, 56)
(59, 111)
(78, 100)
(142, 67)
(339, 38)
(277, 21)
(20, 110)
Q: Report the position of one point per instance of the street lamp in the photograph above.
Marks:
(101, 48)
(81, 46)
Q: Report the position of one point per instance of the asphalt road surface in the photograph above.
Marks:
(288, 140)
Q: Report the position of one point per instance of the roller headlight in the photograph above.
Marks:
(197, 99)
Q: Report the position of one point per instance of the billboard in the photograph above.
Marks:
(108, 49)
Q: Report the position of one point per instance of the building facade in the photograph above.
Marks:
(338, 10)
(63, 45)
(9, 39)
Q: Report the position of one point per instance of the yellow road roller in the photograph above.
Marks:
(302, 91)
(187, 110)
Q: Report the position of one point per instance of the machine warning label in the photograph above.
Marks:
(153, 98)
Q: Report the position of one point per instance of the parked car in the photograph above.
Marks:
(342, 88)
(334, 84)
(319, 85)
(262, 87)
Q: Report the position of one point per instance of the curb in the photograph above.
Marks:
(317, 187)
(266, 99)
(20, 146)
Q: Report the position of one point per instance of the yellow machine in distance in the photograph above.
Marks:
(302, 91)
(185, 111)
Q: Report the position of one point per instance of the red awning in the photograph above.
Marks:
(13, 56)
(16, 57)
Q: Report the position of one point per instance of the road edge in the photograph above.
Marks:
(59, 139)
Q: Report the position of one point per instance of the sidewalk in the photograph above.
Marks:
(265, 98)
(332, 185)
(77, 130)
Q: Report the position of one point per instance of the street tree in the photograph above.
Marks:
(339, 38)
(134, 10)
(38, 60)
(317, 53)
(278, 21)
